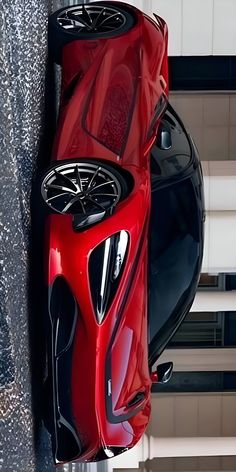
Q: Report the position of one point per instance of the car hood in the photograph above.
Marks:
(106, 364)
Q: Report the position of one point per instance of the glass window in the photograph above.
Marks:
(200, 330)
(171, 153)
(207, 280)
(114, 107)
(174, 258)
(206, 329)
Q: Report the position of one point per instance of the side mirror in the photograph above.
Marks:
(163, 373)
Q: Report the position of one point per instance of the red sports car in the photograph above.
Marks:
(124, 229)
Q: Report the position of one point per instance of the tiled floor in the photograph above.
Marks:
(211, 119)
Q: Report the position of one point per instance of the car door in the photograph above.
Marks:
(176, 231)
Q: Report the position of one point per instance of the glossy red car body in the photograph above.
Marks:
(113, 94)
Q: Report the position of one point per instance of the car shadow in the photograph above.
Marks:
(37, 286)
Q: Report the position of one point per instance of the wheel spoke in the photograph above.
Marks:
(60, 187)
(66, 179)
(78, 178)
(56, 196)
(63, 19)
(107, 27)
(116, 15)
(71, 202)
(95, 203)
(82, 206)
(66, 23)
(86, 14)
(94, 24)
(78, 29)
(78, 19)
(102, 185)
(105, 195)
(93, 177)
(72, 27)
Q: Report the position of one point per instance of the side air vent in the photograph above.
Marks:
(68, 446)
(106, 265)
(136, 399)
(63, 311)
(64, 316)
(158, 111)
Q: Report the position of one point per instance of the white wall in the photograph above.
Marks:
(196, 27)
(220, 226)
(210, 117)
(193, 415)
(220, 185)
(219, 246)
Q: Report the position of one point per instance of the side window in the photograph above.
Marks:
(171, 153)
(174, 254)
(158, 110)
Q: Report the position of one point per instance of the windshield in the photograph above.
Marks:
(174, 259)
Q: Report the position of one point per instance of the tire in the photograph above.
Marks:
(59, 36)
(67, 183)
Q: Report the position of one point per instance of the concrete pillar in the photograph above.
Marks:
(219, 185)
(215, 301)
(192, 447)
(220, 227)
(219, 244)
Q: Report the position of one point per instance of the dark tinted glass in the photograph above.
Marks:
(171, 153)
(204, 329)
(174, 255)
